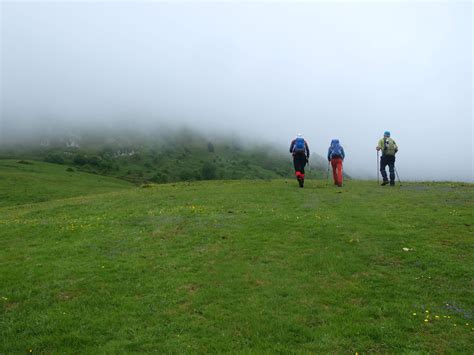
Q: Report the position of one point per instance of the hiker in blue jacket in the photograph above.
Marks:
(300, 150)
(336, 156)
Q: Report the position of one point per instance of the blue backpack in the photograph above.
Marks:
(336, 150)
(299, 146)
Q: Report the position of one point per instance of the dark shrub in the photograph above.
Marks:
(210, 147)
(79, 159)
(187, 175)
(159, 178)
(94, 161)
(208, 171)
(54, 158)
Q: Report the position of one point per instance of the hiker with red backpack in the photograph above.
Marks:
(336, 156)
(300, 151)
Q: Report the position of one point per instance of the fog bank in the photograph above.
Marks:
(260, 70)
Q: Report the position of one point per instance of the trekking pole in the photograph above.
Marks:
(327, 175)
(378, 170)
(398, 177)
(342, 174)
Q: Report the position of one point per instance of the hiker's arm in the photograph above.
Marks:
(379, 145)
(343, 154)
(307, 149)
(291, 146)
(329, 154)
(396, 146)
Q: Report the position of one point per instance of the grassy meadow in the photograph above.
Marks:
(92, 264)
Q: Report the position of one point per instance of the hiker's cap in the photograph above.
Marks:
(386, 134)
(335, 141)
(299, 135)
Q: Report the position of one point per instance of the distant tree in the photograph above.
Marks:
(107, 151)
(210, 147)
(79, 159)
(187, 175)
(159, 178)
(54, 158)
(209, 171)
(95, 161)
(136, 157)
(237, 146)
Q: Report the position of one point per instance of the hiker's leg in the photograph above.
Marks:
(303, 164)
(339, 171)
(391, 168)
(299, 170)
(334, 170)
(383, 165)
(295, 163)
(299, 167)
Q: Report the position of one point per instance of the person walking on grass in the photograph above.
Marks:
(336, 156)
(300, 151)
(389, 148)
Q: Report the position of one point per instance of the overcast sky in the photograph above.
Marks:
(347, 70)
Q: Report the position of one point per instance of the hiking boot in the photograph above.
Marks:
(384, 183)
(301, 182)
(392, 183)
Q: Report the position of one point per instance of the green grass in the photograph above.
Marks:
(32, 181)
(239, 266)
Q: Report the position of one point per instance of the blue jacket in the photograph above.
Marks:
(334, 143)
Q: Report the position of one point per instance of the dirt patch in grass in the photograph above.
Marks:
(11, 306)
(386, 260)
(66, 296)
(189, 288)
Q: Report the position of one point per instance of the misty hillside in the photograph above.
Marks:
(160, 157)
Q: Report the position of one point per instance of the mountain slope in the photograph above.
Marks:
(164, 157)
(33, 181)
(243, 266)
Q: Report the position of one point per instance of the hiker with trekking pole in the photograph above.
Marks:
(389, 148)
(336, 156)
(300, 151)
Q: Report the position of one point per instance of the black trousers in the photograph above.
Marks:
(390, 161)
(299, 162)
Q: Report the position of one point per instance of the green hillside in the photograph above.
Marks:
(161, 157)
(32, 181)
(233, 266)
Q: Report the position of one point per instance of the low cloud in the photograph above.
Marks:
(265, 71)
